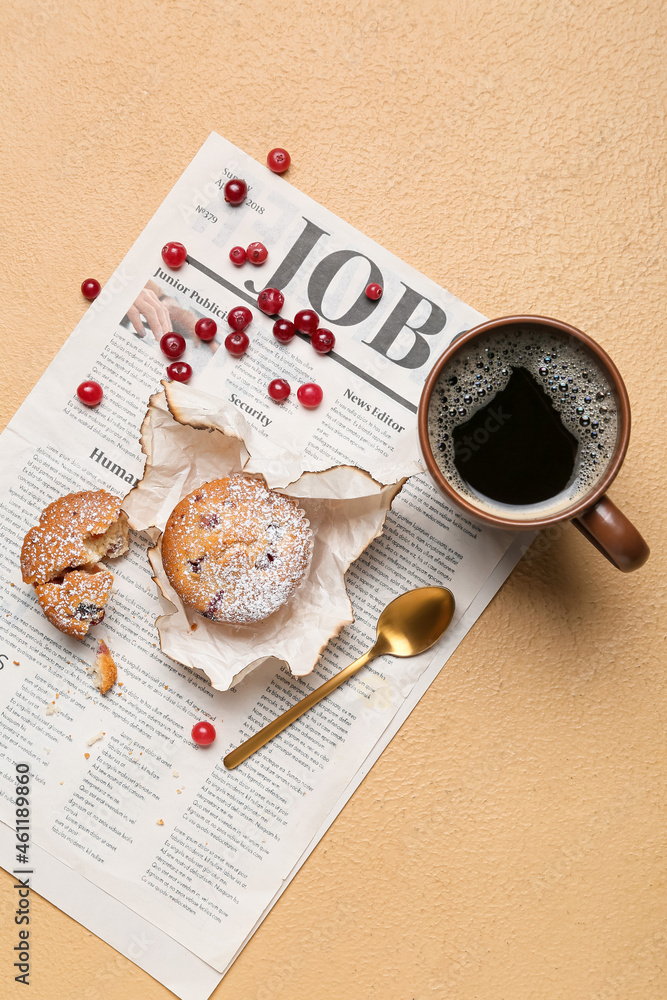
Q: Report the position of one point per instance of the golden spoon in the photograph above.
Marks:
(407, 626)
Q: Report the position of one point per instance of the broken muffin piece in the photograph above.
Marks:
(74, 531)
(104, 669)
(75, 601)
(60, 557)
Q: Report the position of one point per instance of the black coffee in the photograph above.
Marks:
(516, 449)
(523, 420)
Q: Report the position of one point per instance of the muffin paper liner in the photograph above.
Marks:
(190, 438)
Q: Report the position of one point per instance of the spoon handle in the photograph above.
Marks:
(262, 737)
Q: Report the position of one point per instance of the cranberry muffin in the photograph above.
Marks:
(60, 557)
(235, 551)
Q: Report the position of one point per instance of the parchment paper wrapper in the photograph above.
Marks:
(190, 438)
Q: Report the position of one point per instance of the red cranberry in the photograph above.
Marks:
(279, 390)
(239, 317)
(374, 291)
(90, 393)
(174, 254)
(257, 253)
(203, 733)
(237, 343)
(236, 191)
(90, 288)
(173, 345)
(278, 160)
(206, 328)
(237, 255)
(309, 395)
(307, 321)
(271, 301)
(179, 371)
(322, 340)
(284, 331)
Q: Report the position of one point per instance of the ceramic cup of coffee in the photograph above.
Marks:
(523, 423)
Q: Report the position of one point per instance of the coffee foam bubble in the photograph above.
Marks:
(569, 374)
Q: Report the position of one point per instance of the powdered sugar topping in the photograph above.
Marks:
(236, 551)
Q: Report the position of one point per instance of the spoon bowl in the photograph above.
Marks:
(413, 622)
(409, 625)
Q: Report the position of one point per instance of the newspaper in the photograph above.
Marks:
(190, 857)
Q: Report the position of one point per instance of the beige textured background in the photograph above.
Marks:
(511, 841)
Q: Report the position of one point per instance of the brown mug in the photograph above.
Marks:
(590, 509)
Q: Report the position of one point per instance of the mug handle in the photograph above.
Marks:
(613, 535)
